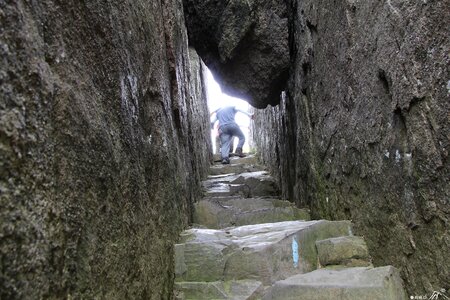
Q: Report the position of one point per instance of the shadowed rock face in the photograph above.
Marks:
(102, 116)
(244, 43)
(363, 131)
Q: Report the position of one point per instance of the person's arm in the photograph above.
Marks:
(213, 121)
(245, 113)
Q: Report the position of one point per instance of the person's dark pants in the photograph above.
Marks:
(226, 137)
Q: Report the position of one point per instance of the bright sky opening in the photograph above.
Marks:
(217, 99)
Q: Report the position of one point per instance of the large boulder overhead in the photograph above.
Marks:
(244, 43)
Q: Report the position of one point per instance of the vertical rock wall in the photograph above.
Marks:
(363, 132)
(103, 140)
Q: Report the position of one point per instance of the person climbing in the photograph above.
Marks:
(217, 137)
(227, 129)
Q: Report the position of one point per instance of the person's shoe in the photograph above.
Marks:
(239, 152)
(225, 161)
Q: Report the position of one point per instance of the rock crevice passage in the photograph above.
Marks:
(248, 244)
(104, 138)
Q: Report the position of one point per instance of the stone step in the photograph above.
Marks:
(229, 290)
(247, 184)
(382, 283)
(222, 212)
(235, 159)
(236, 166)
(350, 251)
(262, 252)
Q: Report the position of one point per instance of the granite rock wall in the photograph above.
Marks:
(362, 132)
(104, 137)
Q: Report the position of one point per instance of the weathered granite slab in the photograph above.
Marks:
(344, 250)
(221, 212)
(227, 290)
(263, 252)
(382, 283)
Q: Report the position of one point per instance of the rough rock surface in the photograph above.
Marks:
(221, 212)
(233, 289)
(261, 251)
(382, 283)
(250, 184)
(363, 130)
(102, 114)
(264, 260)
(244, 43)
(345, 250)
